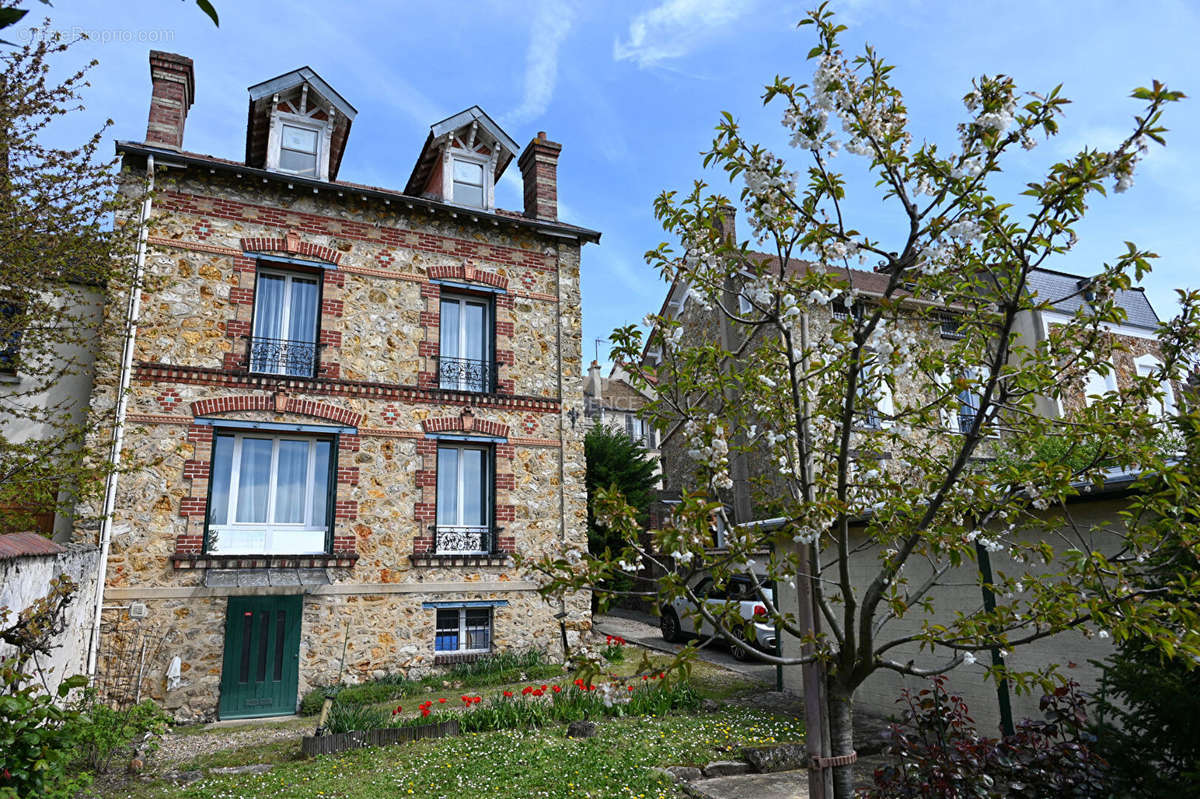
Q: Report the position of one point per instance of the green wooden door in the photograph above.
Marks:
(262, 655)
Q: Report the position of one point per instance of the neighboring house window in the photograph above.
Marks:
(968, 409)
(638, 430)
(10, 341)
(745, 307)
(874, 399)
(465, 359)
(841, 310)
(463, 630)
(1098, 385)
(286, 312)
(269, 495)
(951, 325)
(299, 150)
(464, 491)
(1163, 405)
(469, 176)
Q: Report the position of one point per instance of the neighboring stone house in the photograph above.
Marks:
(1098, 511)
(355, 403)
(611, 401)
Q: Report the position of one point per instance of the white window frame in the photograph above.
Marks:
(1105, 384)
(1144, 366)
(487, 483)
(462, 631)
(286, 318)
(883, 404)
(270, 529)
(324, 133)
(486, 164)
(488, 312)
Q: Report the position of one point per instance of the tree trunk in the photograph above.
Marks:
(841, 723)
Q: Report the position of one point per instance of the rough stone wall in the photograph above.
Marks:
(379, 329)
(24, 580)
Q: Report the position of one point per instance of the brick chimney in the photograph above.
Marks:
(539, 171)
(174, 89)
(726, 224)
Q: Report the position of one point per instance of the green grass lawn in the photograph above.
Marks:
(511, 764)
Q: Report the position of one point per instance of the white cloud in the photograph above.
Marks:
(674, 28)
(551, 23)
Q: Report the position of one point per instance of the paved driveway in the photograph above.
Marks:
(642, 628)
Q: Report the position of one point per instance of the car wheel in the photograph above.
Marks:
(741, 649)
(669, 626)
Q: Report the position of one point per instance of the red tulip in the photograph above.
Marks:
(442, 700)
(508, 694)
(425, 711)
(557, 689)
(528, 689)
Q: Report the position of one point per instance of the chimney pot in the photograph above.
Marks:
(539, 172)
(173, 89)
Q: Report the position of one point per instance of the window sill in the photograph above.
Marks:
(453, 658)
(342, 560)
(434, 560)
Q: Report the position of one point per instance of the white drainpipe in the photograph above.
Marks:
(114, 459)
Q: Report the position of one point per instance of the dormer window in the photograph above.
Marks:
(298, 126)
(461, 161)
(468, 182)
(298, 150)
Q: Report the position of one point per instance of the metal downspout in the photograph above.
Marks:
(133, 311)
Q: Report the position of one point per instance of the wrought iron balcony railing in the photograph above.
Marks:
(461, 540)
(279, 356)
(965, 420)
(466, 374)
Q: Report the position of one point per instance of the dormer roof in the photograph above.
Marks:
(473, 120)
(314, 92)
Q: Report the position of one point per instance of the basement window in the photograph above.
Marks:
(463, 630)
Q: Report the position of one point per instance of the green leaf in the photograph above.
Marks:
(207, 8)
(11, 16)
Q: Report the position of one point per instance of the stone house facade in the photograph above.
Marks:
(356, 403)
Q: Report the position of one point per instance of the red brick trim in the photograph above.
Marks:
(466, 423)
(316, 224)
(469, 274)
(198, 375)
(263, 402)
(292, 246)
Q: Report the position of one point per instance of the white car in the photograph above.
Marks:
(680, 619)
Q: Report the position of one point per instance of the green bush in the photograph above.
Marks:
(105, 736)
(37, 741)
(349, 717)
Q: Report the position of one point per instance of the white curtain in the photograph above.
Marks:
(254, 480)
(473, 469)
(291, 482)
(447, 488)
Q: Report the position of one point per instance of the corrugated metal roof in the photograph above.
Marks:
(1063, 292)
(17, 545)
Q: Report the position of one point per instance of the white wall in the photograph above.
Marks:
(26, 579)
(961, 592)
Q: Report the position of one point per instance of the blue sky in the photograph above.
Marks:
(633, 90)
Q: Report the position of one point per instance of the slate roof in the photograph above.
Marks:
(1063, 290)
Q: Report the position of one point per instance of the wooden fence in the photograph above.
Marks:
(312, 745)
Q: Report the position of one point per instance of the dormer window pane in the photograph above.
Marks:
(468, 183)
(298, 152)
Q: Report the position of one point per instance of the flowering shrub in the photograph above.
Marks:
(614, 651)
(939, 754)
